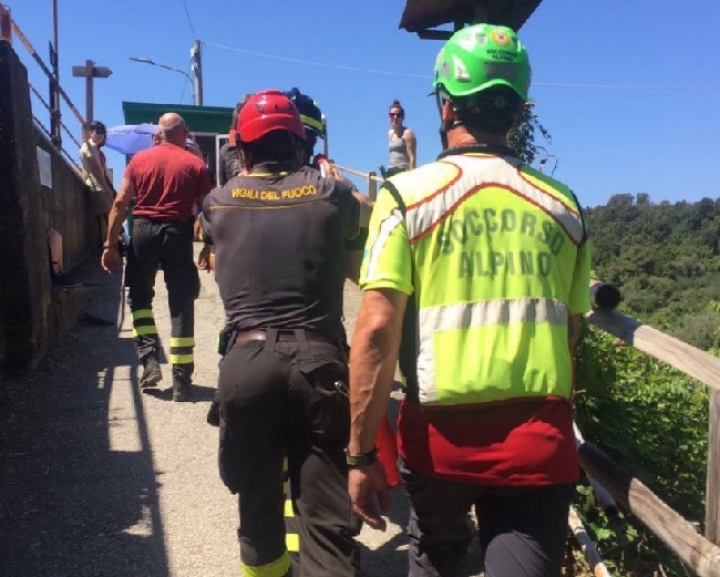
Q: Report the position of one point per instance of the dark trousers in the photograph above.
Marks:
(281, 398)
(522, 529)
(169, 245)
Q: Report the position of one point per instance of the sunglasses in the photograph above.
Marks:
(395, 114)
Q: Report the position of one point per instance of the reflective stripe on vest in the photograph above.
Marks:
(461, 316)
(386, 228)
(424, 215)
(494, 249)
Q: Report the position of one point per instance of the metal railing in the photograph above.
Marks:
(8, 28)
(371, 178)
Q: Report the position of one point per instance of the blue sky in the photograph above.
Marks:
(628, 90)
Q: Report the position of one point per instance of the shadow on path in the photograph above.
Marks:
(75, 502)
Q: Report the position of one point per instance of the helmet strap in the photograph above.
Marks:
(445, 126)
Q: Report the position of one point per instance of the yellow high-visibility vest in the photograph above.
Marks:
(495, 258)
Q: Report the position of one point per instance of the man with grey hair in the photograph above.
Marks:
(168, 182)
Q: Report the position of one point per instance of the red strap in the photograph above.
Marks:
(388, 453)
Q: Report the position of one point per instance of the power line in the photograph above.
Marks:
(313, 63)
(586, 86)
(187, 13)
(187, 81)
(627, 86)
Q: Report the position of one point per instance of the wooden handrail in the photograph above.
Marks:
(366, 175)
(679, 535)
(692, 361)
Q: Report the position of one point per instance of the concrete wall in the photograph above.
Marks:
(31, 315)
(66, 206)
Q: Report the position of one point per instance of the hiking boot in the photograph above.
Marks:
(182, 392)
(182, 381)
(152, 374)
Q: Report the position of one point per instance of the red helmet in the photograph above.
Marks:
(267, 111)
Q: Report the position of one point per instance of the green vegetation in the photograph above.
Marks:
(653, 421)
(665, 259)
(650, 418)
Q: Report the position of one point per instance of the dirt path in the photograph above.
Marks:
(99, 480)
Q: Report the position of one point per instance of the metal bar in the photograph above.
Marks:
(54, 98)
(40, 98)
(70, 159)
(46, 105)
(41, 126)
(45, 69)
(603, 496)
(67, 130)
(598, 568)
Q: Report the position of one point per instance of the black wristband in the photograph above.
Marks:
(360, 459)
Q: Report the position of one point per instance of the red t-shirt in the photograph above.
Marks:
(169, 182)
(519, 443)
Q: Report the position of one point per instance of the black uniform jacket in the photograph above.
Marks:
(279, 239)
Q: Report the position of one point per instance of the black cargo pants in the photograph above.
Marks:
(166, 244)
(287, 395)
(522, 529)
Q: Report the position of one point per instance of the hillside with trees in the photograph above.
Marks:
(665, 258)
(650, 418)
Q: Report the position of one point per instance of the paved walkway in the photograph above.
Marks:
(99, 480)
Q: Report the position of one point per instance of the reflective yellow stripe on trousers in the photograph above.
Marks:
(277, 568)
(144, 323)
(181, 352)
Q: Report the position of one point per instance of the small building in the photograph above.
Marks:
(209, 124)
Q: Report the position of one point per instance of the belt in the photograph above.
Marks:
(283, 336)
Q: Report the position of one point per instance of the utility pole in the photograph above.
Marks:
(90, 72)
(196, 54)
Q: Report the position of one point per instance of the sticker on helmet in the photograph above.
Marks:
(500, 37)
(481, 39)
(467, 42)
(461, 72)
(443, 71)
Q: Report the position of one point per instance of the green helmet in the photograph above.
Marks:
(479, 57)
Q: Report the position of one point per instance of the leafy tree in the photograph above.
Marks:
(663, 257)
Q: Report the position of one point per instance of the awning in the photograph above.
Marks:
(421, 15)
(209, 119)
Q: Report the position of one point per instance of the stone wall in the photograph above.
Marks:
(67, 206)
(31, 315)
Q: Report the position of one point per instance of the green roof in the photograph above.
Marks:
(213, 119)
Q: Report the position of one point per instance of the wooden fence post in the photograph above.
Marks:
(712, 503)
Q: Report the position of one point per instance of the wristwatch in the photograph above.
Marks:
(360, 459)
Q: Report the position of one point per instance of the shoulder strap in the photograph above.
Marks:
(395, 193)
(407, 358)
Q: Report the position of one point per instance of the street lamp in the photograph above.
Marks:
(150, 61)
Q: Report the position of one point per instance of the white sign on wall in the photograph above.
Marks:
(44, 161)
